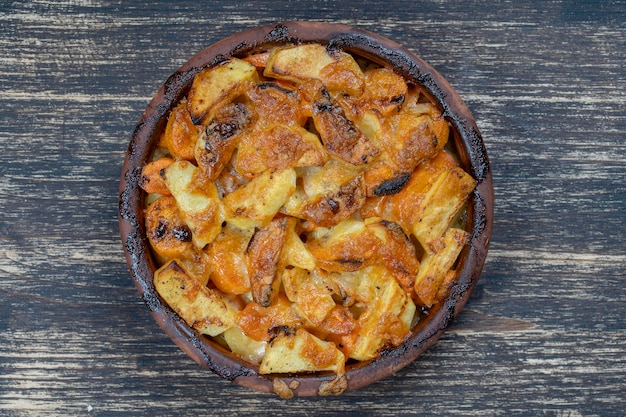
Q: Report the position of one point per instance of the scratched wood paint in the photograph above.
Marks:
(543, 332)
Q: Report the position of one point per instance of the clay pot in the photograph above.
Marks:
(469, 147)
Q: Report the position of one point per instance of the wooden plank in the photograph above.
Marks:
(543, 332)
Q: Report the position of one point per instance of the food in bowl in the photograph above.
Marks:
(164, 137)
(305, 208)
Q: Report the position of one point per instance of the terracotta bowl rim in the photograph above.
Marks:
(470, 147)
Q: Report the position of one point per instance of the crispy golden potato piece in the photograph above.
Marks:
(330, 209)
(401, 207)
(278, 147)
(216, 145)
(327, 179)
(294, 252)
(435, 265)
(405, 139)
(385, 91)
(265, 323)
(410, 138)
(244, 346)
(180, 133)
(168, 234)
(151, 176)
(257, 202)
(333, 193)
(301, 352)
(387, 318)
(200, 307)
(293, 205)
(446, 283)
(171, 238)
(310, 294)
(346, 285)
(275, 103)
(216, 84)
(348, 246)
(367, 121)
(341, 328)
(198, 201)
(396, 252)
(297, 63)
(384, 178)
(196, 264)
(341, 137)
(227, 254)
(263, 254)
(442, 202)
(440, 126)
(384, 310)
(354, 245)
(343, 76)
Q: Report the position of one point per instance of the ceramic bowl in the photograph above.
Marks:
(464, 134)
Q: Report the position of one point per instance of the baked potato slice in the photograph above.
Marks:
(401, 207)
(180, 133)
(327, 195)
(340, 135)
(244, 346)
(330, 209)
(384, 178)
(265, 323)
(168, 234)
(301, 352)
(343, 76)
(397, 253)
(218, 141)
(227, 254)
(151, 176)
(440, 204)
(255, 203)
(386, 321)
(297, 63)
(410, 138)
(347, 286)
(216, 84)
(258, 59)
(435, 265)
(293, 205)
(385, 91)
(310, 294)
(348, 246)
(170, 238)
(263, 255)
(440, 127)
(201, 308)
(278, 147)
(197, 199)
(229, 179)
(327, 179)
(273, 101)
(294, 253)
(341, 328)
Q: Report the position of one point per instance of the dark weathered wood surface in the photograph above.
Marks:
(544, 332)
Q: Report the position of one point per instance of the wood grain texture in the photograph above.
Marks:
(544, 332)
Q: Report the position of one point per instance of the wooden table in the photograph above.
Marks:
(544, 333)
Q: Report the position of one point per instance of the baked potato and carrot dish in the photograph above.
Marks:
(304, 209)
